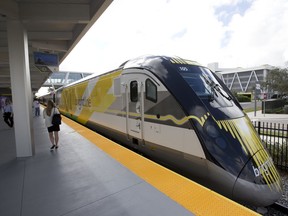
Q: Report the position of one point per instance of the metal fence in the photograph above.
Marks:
(275, 138)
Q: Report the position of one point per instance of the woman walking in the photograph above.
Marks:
(53, 130)
(8, 113)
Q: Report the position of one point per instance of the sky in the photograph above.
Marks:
(234, 33)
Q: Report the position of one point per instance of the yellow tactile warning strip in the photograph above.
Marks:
(192, 196)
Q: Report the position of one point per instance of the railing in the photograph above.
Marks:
(275, 139)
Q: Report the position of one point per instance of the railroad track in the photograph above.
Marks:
(277, 209)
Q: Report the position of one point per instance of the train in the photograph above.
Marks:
(180, 114)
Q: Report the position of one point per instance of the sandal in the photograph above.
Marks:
(53, 146)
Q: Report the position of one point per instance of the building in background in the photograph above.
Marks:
(245, 80)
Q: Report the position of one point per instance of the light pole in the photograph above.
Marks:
(257, 89)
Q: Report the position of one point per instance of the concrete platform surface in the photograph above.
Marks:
(77, 179)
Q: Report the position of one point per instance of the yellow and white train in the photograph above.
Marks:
(179, 113)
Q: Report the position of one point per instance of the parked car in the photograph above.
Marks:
(275, 96)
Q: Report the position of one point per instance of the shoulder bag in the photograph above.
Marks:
(56, 119)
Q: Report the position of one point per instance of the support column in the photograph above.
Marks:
(21, 88)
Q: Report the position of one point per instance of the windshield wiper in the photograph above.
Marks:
(220, 90)
(215, 86)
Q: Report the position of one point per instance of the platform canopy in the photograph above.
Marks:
(53, 27)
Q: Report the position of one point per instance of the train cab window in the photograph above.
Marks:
(151, 91)
(134, 91)
(206, 86)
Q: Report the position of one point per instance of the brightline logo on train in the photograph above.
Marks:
(263, 168)
(83, 102)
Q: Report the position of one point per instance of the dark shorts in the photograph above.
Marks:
(7, 114)
(53, 128)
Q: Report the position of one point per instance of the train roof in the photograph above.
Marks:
(150, 62)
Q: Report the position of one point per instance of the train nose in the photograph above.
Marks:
(259, 182)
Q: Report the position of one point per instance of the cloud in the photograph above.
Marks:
(179, 34)
(258, 37)
(254, 33)
(225, 10)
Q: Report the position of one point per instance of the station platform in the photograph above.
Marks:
(91, 175)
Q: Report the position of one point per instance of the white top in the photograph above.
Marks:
(7, 108)
(36, 104)
(48, 119)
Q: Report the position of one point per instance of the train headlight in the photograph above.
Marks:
(212, 131)
(221, 142)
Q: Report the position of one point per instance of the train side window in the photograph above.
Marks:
(151, 91)
(134, 91)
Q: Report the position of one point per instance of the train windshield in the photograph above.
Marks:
(204, 84)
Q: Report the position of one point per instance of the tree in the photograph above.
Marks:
(277, 79)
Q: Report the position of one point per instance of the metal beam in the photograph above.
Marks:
(3, 35)
(48, 35)
(9, 8)
(57, 12)
(50, 45)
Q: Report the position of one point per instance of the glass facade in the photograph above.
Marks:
(243, 81)
(64, 78)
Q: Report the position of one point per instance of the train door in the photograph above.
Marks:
(135, 110)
